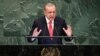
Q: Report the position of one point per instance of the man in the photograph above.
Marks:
(50, 25)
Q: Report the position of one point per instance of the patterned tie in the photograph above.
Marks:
(50, 29)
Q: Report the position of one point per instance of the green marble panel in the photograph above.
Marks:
(16, 18)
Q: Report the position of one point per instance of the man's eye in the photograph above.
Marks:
(50, 12)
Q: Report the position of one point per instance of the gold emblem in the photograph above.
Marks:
(50, 51)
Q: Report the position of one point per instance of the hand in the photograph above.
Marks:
(36, 32)
(68, 31)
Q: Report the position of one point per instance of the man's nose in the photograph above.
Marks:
(52, 14)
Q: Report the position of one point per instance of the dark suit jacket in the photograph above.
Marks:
(59, 23)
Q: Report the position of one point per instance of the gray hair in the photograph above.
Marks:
(49, 5)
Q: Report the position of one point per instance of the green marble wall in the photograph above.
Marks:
(16, 17)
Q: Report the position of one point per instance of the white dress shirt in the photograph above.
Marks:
(47, 20)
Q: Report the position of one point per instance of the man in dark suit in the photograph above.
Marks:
(50, 25)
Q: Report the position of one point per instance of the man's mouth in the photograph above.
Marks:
(52, 17)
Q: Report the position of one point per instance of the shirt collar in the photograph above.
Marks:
(47, 20)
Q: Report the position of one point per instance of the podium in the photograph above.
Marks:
(68, 42)
(76, 40)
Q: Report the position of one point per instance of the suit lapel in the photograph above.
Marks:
(55, 32)
(46, 32)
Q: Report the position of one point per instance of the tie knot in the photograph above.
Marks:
(50, 21)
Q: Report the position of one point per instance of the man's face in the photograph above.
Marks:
(50, 12)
